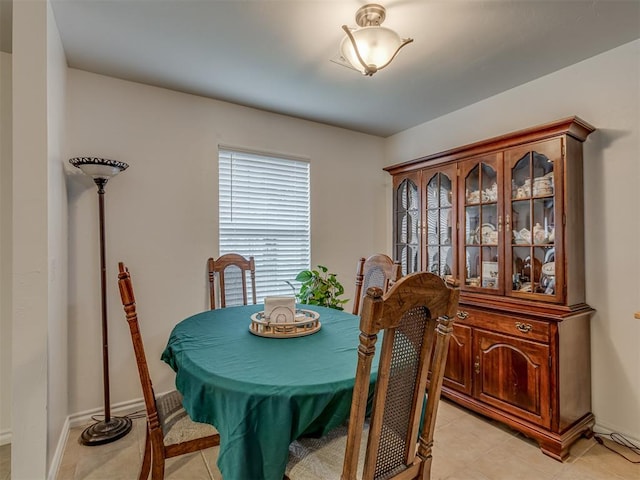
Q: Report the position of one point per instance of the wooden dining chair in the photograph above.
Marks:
(376, 271)
(170, 431)
(416, 316)
(231, 270)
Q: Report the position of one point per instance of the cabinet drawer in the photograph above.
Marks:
(511, 325)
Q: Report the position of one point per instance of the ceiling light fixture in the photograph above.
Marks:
(371, 47)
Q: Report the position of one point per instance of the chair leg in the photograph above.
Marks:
(425, 452)
(157, 469)
(157, 456)
(146, 460)
(426, 469)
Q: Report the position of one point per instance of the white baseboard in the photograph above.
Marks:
(5, 437)
(84, 418)
(57, 456)
(122, 408)
(606, 430)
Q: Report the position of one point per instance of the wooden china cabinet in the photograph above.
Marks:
(503, 218)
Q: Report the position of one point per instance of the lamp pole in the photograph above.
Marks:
(111, 428)
(101, 182)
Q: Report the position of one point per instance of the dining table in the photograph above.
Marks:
(263, 393)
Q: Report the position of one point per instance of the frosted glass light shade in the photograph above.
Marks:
(377, 47)
(102, 168)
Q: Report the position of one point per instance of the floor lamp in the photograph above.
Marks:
(111, 428)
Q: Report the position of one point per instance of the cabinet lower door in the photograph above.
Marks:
(513, 375)
(457, 372)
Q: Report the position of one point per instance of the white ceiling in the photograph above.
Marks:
(275, 54)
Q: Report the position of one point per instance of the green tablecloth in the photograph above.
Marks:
(263, 393)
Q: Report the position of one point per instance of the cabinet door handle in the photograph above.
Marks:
(508, 226)
(462, 314)
(524, 327)
(499, 223)
(476, 366)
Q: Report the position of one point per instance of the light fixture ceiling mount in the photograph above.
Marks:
(371, 14)
(371, 47)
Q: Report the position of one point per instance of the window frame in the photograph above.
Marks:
(286, 180)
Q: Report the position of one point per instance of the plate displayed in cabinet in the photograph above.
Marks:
(549, 269)
(486, 234)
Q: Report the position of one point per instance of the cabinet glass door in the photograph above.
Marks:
(482, 228)
(531, 220)
(439, 223)
(407, 228)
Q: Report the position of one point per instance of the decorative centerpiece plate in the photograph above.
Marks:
(306, 322)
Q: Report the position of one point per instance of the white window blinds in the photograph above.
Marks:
(264, 212)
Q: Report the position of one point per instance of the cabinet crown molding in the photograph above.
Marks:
(572, 126)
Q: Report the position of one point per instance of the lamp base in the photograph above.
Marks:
(105, 432)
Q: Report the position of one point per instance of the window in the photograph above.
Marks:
(264, 212)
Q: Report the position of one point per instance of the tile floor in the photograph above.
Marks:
(467, 447)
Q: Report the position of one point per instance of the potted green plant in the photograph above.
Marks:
(319, 287)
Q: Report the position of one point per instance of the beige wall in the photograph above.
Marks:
(30, 242)
(39, 240)
(604, 91)
(6, 131)
(57, 393)
(161, 213)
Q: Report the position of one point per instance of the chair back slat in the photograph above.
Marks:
(376, 271)
(231, 270)
(415, 315)
(129, 304)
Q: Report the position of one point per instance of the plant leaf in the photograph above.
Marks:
(304, 276)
